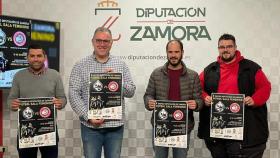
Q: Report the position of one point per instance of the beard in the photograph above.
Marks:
(229, 59)
(175, 64)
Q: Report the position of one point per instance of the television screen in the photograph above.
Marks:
(15, 36)
(47, 34)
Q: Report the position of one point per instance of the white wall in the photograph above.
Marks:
(255, 25)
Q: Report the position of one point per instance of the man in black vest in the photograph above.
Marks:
(234, 74)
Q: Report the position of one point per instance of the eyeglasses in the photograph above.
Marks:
(100, 41)
(226, 47)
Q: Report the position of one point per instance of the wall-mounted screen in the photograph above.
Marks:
(15, 36)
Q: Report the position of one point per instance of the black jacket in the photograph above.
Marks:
(255, 118)
(190, 89)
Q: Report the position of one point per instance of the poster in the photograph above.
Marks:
(15, 35)
(227, 116)
(36, 122)
(105, 96)
(170, 124)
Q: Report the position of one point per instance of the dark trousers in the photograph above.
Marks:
(46, 152)
(224, 148)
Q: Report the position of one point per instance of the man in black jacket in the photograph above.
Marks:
(234, 74)
(174, 82)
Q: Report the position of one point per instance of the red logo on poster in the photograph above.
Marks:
(178, 115)
(234, 107)
(45, 112)
(113, 86)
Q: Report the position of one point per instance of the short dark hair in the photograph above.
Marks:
(35, 46)
(175, 40)
(102, 29)
(226, 36)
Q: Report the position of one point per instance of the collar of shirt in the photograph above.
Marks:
(94, 58)
(38, 73)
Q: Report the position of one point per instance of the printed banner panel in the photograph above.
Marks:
(170, 124)
(105, 96)
(36, 122)
(227, 116)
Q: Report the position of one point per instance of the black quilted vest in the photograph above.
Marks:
(255, 120)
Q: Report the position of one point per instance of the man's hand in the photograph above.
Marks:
(152, 104)
(249, 101)
(15, 104)
(191, 104)
(108, 70)
(96, 122)
(57, 103)
(208, 100)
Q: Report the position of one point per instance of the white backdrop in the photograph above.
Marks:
(255, 25)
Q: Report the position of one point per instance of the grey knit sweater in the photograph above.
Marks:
(28, 85)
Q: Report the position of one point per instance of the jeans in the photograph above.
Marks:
(223, 148)
(162, 152)
(108, 138)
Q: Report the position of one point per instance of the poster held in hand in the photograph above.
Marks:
(105, 96)
(227, 116)
(170, 124)
(36, 122)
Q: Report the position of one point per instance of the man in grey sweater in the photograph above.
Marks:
(175, 82)
(37, 81)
